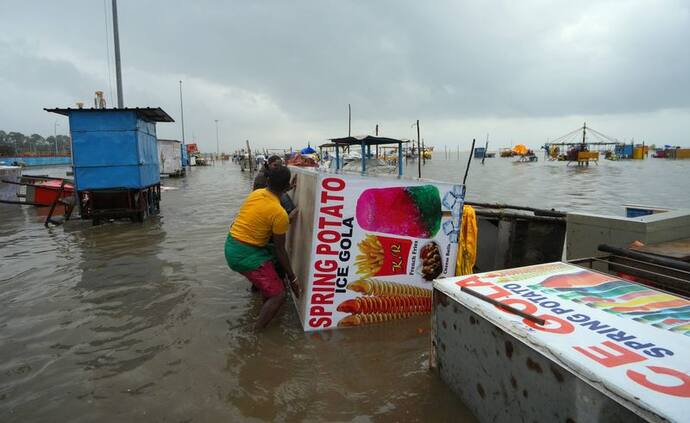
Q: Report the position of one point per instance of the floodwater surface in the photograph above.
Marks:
(145, 322)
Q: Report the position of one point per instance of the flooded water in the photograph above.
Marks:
(145, 322)
(602, 188)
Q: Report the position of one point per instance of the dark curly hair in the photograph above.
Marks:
(279, 179)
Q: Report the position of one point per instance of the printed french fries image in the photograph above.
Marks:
(382, 256)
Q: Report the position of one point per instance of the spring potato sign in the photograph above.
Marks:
(374, 246)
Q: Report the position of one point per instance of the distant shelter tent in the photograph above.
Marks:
(520, 150)
(307, 150)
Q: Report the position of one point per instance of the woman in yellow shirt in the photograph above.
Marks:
(262, 219)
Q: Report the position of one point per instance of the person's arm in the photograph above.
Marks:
(281, 255)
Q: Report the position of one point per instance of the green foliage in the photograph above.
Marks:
(18, 144)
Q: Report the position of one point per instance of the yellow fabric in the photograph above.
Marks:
(259, 218)
(467, 250)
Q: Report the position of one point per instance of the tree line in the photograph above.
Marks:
(34, 145)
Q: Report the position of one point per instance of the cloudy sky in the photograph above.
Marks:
(282, 73)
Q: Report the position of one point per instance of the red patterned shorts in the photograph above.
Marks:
(266, 279)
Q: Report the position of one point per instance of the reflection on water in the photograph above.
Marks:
(144, 322)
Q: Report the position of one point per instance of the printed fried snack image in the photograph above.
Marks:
(369, 319)
(392, 304)
(383, 301)
(432, 262)
(382, 256)
(413, 211)
(381, 288)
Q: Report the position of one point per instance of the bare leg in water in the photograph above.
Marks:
(268, 310)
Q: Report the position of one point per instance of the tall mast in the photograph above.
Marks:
(118, 71)
(181, 113)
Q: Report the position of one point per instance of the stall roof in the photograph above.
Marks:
(151, 114)
(367, 139)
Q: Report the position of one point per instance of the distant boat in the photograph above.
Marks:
(526, 159)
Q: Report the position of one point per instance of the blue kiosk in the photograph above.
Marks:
(115, 161)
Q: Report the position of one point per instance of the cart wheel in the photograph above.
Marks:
(144, 207)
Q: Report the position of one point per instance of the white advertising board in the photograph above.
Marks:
(629, 341)
(375, 246)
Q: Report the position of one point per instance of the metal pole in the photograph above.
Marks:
(349, 121)
(400, 155)
(364, 158)
(181, 113)
(55, 125)
(469, 160)
(118, 70)
(249, 158)
(419, 154)
(218, 142)
(486, 148)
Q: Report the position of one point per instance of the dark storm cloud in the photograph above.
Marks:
(27, 72)
(443, 58)
(272, 64)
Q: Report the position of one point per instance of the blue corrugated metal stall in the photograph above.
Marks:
(115, 161)
(111, 150)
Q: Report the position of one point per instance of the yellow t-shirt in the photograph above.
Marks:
(259, 218)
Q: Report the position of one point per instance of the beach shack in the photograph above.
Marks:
(115, 161)
(562, 342)
(170, 157)
(363, 144)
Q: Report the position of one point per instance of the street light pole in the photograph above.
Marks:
(217, 140)
(116, 43)
(181, 113)
(55, 125)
